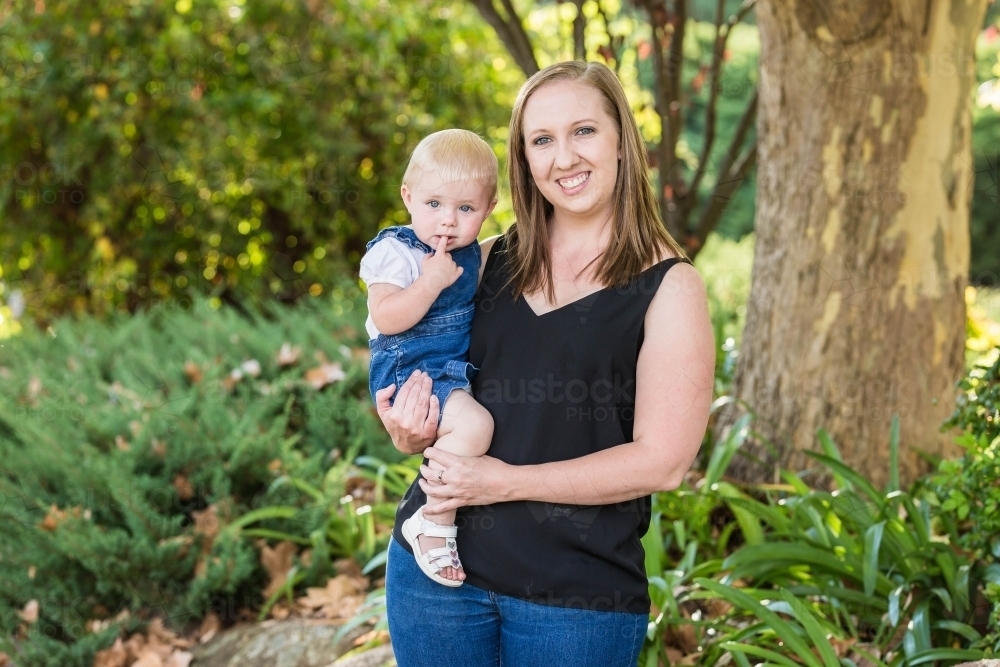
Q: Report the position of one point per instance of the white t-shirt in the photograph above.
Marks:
(390, 261)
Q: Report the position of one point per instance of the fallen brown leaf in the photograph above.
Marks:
(280, 611)
(206, 524)
(115, 656)
(184, 489)
(288, 355)
(683, 637)
(206, 521)
(193, 372)
(29, 613)
(340, 598)
(348, 566)
(380, 636)
(179, 659)
(159, 447)
(34, 388)
(148, 658)
(842, 646)
(324, 374)
(161, 633)
(210, 625)
(135, 645)
(96, 625)
(277, 561)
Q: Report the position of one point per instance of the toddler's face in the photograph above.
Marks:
(454, 209)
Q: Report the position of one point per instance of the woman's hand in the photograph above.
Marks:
(412, 419)
(465, 480)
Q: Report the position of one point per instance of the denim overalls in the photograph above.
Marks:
(439, 343)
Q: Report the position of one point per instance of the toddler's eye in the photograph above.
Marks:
(465, 208)
(434, 203)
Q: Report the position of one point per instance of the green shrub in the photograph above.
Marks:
(965, 490)
(774, 571)
(145, 457)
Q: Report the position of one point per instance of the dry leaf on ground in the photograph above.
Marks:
(159, 447)
(30, 612)
(179, 659)
(280, 611)
(277, 561)
(380, 636)
(184, 489)
(340, 598)
(324, 374)
(193, 372)
(288, 355)
(673, 655)
(206, 524)
(148, 658)
(115, 656)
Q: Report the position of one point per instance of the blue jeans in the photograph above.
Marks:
(431, 625)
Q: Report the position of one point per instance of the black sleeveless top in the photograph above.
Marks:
(559, 386)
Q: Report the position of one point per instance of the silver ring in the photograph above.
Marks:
(439, 475)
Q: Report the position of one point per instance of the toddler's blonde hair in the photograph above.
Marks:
(457, 155)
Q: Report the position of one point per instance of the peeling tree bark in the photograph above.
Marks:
(864, 178)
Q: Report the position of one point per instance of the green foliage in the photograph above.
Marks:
(146, 459)
(965, 490)
(156, 149)
(855, 573)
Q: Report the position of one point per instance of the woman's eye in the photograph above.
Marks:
(434, 203)
(465, 208)
(587, 130)
(539, 141)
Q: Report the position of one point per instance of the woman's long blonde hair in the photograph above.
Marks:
(637, 234)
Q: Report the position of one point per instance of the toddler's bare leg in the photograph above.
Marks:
(466, 430)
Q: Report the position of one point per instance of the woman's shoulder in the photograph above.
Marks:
(487, 244)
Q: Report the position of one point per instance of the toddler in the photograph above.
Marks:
(421, 281)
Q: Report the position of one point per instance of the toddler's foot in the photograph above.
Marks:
(434, 549)
(427, 543)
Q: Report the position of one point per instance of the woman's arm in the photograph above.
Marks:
(674, 381)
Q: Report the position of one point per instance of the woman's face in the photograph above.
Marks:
(571, 144)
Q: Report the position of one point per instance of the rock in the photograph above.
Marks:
(291, 643)
(380, 656)
(980, 663)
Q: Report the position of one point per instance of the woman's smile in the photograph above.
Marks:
(575, 183)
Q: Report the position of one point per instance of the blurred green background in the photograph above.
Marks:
(174, 174)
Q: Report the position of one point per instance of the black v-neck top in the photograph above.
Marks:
(559, 385)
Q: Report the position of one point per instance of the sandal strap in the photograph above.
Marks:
(434, 530)
(440, 558)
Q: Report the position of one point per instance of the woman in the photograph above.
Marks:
(596, 358)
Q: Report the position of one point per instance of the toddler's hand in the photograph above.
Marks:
(440, 269)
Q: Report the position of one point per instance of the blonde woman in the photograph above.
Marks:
(596, 358)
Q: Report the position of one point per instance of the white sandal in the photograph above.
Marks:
(437, 559)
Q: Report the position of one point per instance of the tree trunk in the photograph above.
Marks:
(857, 307)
